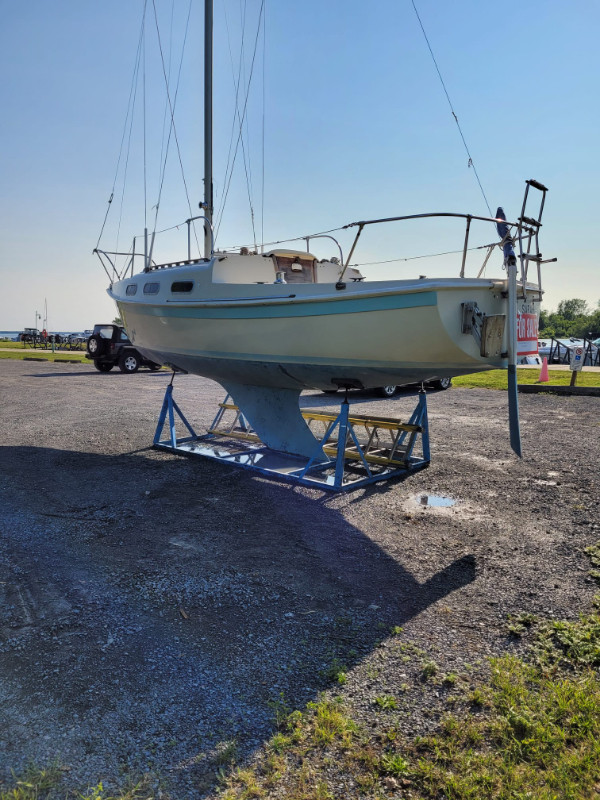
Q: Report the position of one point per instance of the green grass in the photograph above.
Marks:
(35, 783)
(15, 350)
(497, 378)
(539, 739)
(75, 357)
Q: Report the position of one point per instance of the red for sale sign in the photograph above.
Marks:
(527, 330)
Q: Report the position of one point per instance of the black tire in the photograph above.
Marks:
(129, 361)
(102, 366)
(154, 367)
(95, 345)
(387, 391)
(442, 383)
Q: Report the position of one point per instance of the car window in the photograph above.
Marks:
(106, 332)
(124, 337)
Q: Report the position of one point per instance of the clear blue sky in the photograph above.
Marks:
(356, 126)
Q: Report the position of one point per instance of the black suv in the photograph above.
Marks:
(109, 345)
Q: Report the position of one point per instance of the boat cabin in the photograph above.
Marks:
(278, 266)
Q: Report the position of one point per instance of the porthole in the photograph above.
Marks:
(131, 289)
(151, 288)
(182, 286)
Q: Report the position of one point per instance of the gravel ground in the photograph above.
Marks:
(153, 607)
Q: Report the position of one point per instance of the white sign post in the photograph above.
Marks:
(576, 363)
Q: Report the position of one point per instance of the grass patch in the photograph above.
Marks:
(386, 702)
(539, 740)
(35, 783)
(47, 355)
(497, 378)
(531, 732)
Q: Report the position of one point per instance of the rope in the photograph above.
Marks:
(471, 163)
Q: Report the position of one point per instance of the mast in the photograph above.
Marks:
(208, 181)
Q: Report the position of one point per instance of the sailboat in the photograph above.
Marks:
(268, 325)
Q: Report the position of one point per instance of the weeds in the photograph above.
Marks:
(428, 670)
(519, 623)
(393, 764)
(36, 783)
(386, 702)
(336, 672)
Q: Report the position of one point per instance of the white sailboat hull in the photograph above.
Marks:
(312, 336)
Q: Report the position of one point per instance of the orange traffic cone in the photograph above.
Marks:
(544, 378)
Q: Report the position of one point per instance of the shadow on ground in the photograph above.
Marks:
(155, 608)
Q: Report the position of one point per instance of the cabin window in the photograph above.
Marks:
(182, 286)
(296, 269)
(131, 289)
(151, 288)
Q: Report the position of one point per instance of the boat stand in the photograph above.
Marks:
(351, 451)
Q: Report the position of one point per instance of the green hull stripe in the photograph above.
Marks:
(291, 309)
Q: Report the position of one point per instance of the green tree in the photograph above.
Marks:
(572, 318)
(571, 309)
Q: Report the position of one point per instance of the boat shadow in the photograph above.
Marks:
(357, 397)
(79, 373)
(191, 598)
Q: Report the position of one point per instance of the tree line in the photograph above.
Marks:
(571, 318)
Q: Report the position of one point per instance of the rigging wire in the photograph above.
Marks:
(426, 255)
(471, 163)
(237, 87)
(128, 119)
(237, 83)
(243, 116)
(164, 122)
(172, 121)
(136, 78)
(246, 158)
(172, 110)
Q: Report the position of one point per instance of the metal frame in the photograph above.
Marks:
(342, 460)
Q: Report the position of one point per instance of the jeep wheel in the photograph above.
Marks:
(442, 383)
(154, 367)
(387, 391)
(102, 366)
(129, 362)
(95, 345)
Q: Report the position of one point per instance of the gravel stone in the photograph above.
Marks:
(153, 608)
